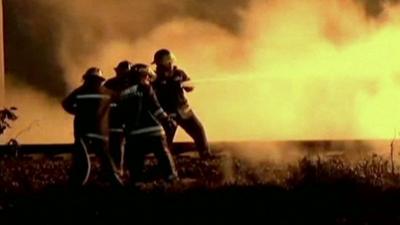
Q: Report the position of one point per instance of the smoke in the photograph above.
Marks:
(31, 33)
(34, 30)
(50, 43)
(40, 119)
(294, 70)
(375, 8)
(37, 27)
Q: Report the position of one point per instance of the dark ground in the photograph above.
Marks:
(226, 190)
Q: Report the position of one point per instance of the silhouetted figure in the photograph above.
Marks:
(116, 85)
(143, 116)
(88, 104)
(170, 86)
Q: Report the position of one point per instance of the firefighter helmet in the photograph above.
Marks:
(123, 66)
(93, 73)
(142, 71)
(163, 56)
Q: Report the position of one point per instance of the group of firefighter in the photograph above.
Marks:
(139, 107)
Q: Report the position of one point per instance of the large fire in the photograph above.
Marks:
(297, 70)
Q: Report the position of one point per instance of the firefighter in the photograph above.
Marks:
(115, 85)
(143, 119)
(170, 86)
(86, 103)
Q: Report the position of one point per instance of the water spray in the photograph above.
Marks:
(224, 79)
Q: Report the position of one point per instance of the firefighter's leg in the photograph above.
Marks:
(134, 158)
(195, 129)
(108, 167)
(80, 170)
(170, 134)
(159, 146)
(115, 146)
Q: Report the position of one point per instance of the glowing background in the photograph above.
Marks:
(294, 70)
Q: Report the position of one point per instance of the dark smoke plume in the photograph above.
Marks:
(31, 34)
(33, 29)
(375, 7)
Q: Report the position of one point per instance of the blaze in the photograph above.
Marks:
(303, 70)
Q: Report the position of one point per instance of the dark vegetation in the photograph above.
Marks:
(225, 190)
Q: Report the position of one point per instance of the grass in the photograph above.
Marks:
(313, 190)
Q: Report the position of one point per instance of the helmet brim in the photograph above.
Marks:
(93, 77)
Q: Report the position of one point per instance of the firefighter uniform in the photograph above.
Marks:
(143, 116)
(87, 104)
(115, 85)
(169, 86)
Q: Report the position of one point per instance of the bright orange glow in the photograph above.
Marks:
(304, 70)
(298, 70)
